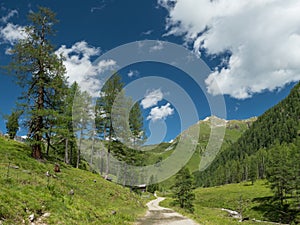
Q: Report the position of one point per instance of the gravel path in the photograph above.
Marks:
(163, 216)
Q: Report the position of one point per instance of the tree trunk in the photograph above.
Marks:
(125, 173)
(48, 146)
(79, 149)
(92, 150)
(36, 151)
(109, 147)
(107, 160)
(37, 148)
(67, 151)
(71, 155)
(101, 164)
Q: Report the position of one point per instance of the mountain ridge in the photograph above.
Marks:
(281, 123)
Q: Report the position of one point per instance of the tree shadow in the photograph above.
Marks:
(273, 211)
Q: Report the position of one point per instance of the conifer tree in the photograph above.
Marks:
(41, 73)
(12, 124)
(279, 171)
(183, 190)
(104, 120)
(137, 125)
(82, 119)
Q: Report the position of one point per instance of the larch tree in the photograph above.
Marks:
(82, 118)
(119, 119)
(279, 171)
(41, 73)
(183, 190)
(104, 120)
(136, 122)
(12, 124)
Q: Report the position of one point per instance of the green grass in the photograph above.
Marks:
(26, 190)
(252, 199)
(234, 129)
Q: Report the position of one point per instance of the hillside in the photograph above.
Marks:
(233, 130)
(250, 200)
(72, 196)
(280, 124)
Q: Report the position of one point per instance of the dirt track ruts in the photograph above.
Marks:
(163, 216)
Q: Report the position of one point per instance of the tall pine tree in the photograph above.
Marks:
(41, 73)
(104, 120)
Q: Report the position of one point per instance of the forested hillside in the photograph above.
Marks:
(269, 149)
(279, 124)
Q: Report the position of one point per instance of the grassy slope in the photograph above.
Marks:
(27, 190)
(209, 201)
(234, 129)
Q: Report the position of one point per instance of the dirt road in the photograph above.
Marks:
(163, 216)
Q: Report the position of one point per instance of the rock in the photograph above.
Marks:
(56, 168)
(47, 174)
(233, 214)
(113, 212)
(14, 167)
(94, 181)
(71, 192)
(31, 218)
(46, 214)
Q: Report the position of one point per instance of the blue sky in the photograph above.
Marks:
(251, 48)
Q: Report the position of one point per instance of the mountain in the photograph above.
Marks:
(226, 132)
(280, 124)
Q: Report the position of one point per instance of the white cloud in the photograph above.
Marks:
(4, 19)
(160, 113)
(148, 32)
(157, 47)
(132, 73)
(8, 51)
(97, 8)
(11, 33)
(152, 98)
(80, 67)
(263, 37)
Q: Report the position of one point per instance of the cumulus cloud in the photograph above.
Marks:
(160, 113)
(152, 98)
(157, 47)
(11, 33)
(132, 73)
(4, 19)
(261, 36)
(80, 67)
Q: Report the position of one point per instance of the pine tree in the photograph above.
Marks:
(65, 129)
(253, 170)
(12, 124)
(137, 125)
(183, 190)
(279, 171)
(41, 73)
(82, 118)
(104, 120)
